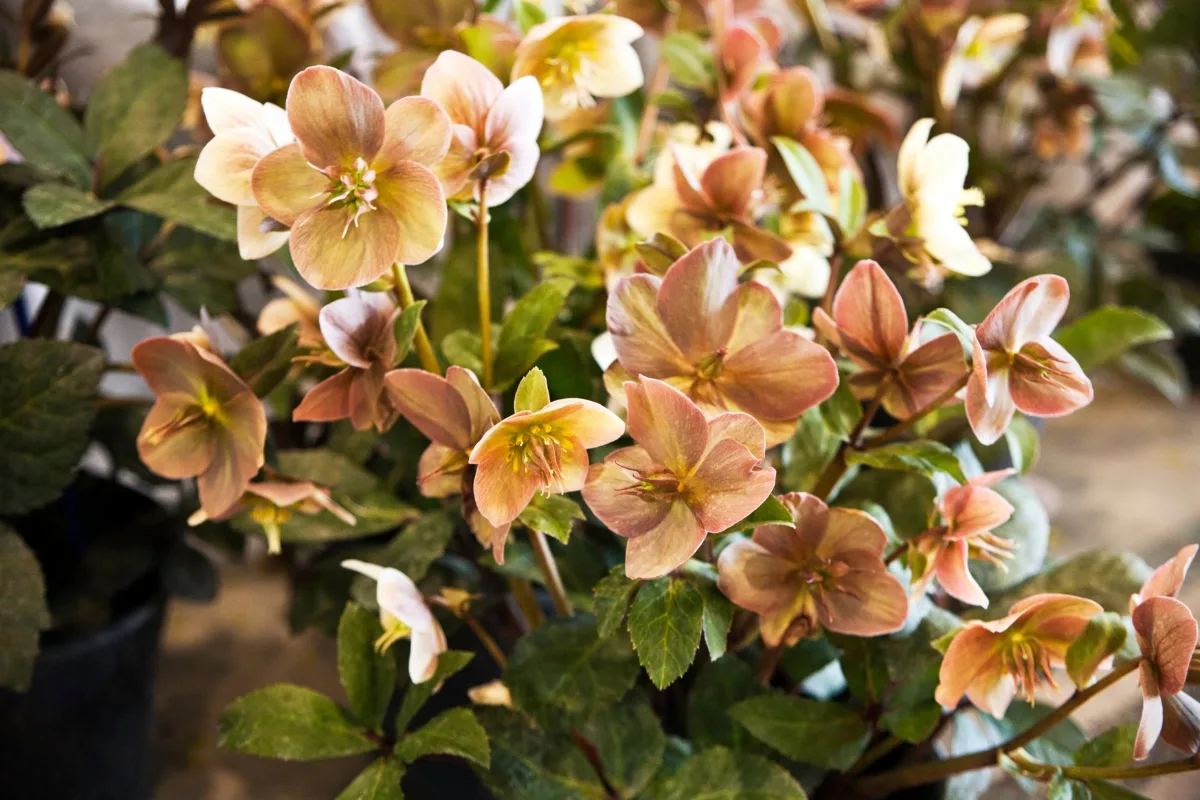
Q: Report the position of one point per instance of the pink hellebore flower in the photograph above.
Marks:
(721, 343)
(1017, 366)
(1166, 634)
(990, 661)
(206, 422)
(487, 118)
(538, 451)
(360, 331)
(272, 503)
(969, 513)
(404, 615)
(870, 325)
(357, 188)
(685, 478)
(827, 572)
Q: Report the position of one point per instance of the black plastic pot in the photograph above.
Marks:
(85, 728)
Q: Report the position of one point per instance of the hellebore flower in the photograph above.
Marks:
(206, 423)
(932, 175)
(685, 478)
(990, 662)
(272, 503)
(827, 572)
(243, 132)
(404, 615)
(357, 188)
(1167, 635)
(360, 331)
(577, 59)
(870, 325)
(487, 118)
(1017, 366)
(721, 343)
(969, 514)
(982, 47)
(538, 451)
(297, 306)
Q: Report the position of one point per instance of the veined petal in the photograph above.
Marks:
(810, 516)
(695, 301)
(607, 493)
(327, 401)
(413, 196)
(643, 344)
(285, 186)
(850, 529)
(335, 118)
(1167, 580)
(367, 397)
(333, 251)
(1167, 633)
(972, 663)
(463, 87)
(416, 129)
(741, 428)
(667, 424)
(758, 316)
(755, 579)
(870, 315)
(501, 493)
(479, 405)
(1047, 381)
(955, 576)
(245, 424)
(589, 423)
(352, 327)
(794, 98)
(183, 453)
(168, 365)
(864, 603)
(752, 243)
(728, 485)
(253, 244)
(778, 377)
(732, 179)
(924, 375)
(433, 405)
(989, 417)
(440, 470)
(517, 114)
(227, 162)
(665, 547)
(1029, 312)
(454, 171)
(969, 510)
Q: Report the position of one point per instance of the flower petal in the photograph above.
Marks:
(972, 663)
(423, 653)
(924, 375)
(969, 510)
(517, 115)
(332, 252)
(368, 404)
(1030, 311)
(948, 241)
(414, 197)
(285, 186)
(794, 98)
(463, 87)
(755, 579)
(354, 326)
(733, 178)
(758, 316)
(253, 244)
(850, 529)
(336, 119)
(225, 109)
(778, 377)
(696, 300)
(607, 493)
(1167, 580)
(989, 417)
(433, 405)
(169, 365)
(1046, 380)
(329, 400)
(866, 603)
(612, 71)
(642, 342)
(667, 424)
(416, 129)
(440, 470)
(872, 323)
(667, 546)
(227, 162)
(728, 485)
(741, 428)
(1151, 723)
(589, 423)
(184, 453)
(524, 155)
(1168, 633)
(955, 576)
(501, 493)
(909, 158)
(1181, 722)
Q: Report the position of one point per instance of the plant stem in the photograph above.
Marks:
(486, 639)
(546, 563)
(933, 771)
(526, 600)
(404, 296)
(483, 278)
(837, 465)
(905, 424)
(768, 663)
(1046, 772)
(658, 84)
(45, 324)
(873, 754)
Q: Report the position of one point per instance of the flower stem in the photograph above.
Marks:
(658, 83)
(873, 754)
(837, 465)
(546, 563)
(526, 600)
(904, 424)
(404, 296)
(486, 639)
(1046, 772)
(483, 278)
(768, 662)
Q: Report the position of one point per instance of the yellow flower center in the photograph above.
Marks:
(567, 73)
(537, 450)
(393, 631)
(352, 188)
(207, 408)
(1028, 662)
(270, 517)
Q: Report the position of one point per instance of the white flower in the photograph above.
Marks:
(403, 614)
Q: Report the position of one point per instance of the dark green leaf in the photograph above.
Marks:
(171, 192)
(522, 336)
(1105, 333)
(23, 612)
(612, 595)
(629, 741)
(910, 712)
(265, 361)
(1108, 578)
(528, 764)
(198, 270)
(1113, 748)
(924, 457)
(718, 616)
(864, 666)
(412, 552)
(532, 393)
(807, 453)
(1103, 637)
(553, 515)
(828, 735)
(291, 723)
(906, 496)
(52, 204)
(841, 412)
(11, 284)
(48, 137)
(449, 663)
(455, 733)
(380, 781)
(719, 774)
(664, 624)
(718, 687)
(806, 658)
(406, 328)
(369, 677)
(771, 512)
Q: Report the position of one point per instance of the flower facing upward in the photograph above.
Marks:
(932, 175)
(538, 451)
(969, 514)
(206, 423)
(404, 615)
(297, 306)
(1166, 635)
(577, 59)
(990, 662)
(244, 131)
(870, 325)
(686, 478)
(487, 118)
(827, 572)
(357, 188)
(360, 331)
(1017, 366)
(721, 343)
(273, 502)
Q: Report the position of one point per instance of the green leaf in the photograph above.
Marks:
(689, 60)
(612, 593)
(910, 712)
(1108, 578)
(449, 663)
(806, 174)
(806, 454)
(1024, 444)
(1105, 333)
(291, 723)
(770, 512)
(406, 328)
(521, 342)
(1161, 368)
(1063, 788)
(197, 270)
(48, 137)
(528, 14)
(463, 348)
(52, 204)
(564, 667)
(718, 615)
(852, 202)
(528, 764)
(134, 108)
(171, 192)
(380, 781)
(924, 457)
(11, 284)
(629, 741)
(553, 515)
(532, 392)
(945, 318)
(718, 687)
(46, 409)
(719, 774)
(265, 361)
(412, 552)
(841, 412)
(907, 497)
(369, 677)
(1113, 748)
(1103, 637)
(827, 735)
(664, 624)
(864, 666)
(23, 612)
(454, 733)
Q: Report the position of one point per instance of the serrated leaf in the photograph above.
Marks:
(380, 781)
(924, 457)
(532, 392)
(171, 192)
(719, 774)
(406, 328)
(1105, 333)
(1113, 748)
(718, 687)
(46, 409)
(449, 663)
(52, 204)
(629, 741)
(806, 173)
(770, 512)
(45, 134)
(611, 599)
(23, 612)
(717, 619)
(1102, 638)
(368, 676)
(455, 733)
(291, 723)
(529, 764)
(827, 735)
(265, 361)
(553, 515)
(664, 624)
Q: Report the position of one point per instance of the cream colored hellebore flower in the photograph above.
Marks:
(404, 615)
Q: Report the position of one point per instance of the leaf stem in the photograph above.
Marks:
(546, 563)
(873, 754)
(483, 279)
(404, 296)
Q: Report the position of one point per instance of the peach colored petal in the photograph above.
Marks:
(753, 243)
(696, 300)
(227, 162)
(588, 423)
(332, 252)
(285, 186)
(608, 493)
(870, 316)
(728, 485)
(184, 453)
(779, 377)
(865, 603)
(366, 398)
(1029, 312)
(1167, 634)
(741, 428)
(667, 424)
(639, 336)
(1046, 381)
(924, 375)
(463, 87)
(454, 171)
(416, 129)
(850, 529)
(414, 197)
(665, 547)
(358, 329)
(169, 365)
(245, 423)
(971, 664)
(327, 401)
(440, 470)
(954, 575)
(969, 510)
(1167, 580)
(433, 405)
(479, 405)
(756, 579)
(758, 316)
(733, 178)
(1151, 723)
(253, 244)
(220, 487)
(501, 493)
(811, 518)
(794, 98)
(335, 118)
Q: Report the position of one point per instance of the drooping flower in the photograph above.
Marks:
(205, 424)
(488, 119)
(577, 59)
(404, 615)
(826, 573)
(933, 173)
(1078, 39)
(990, 662)
(538, 451)
(982, 47)
(296, 307)
(258, 53)
(721, 343)
(244, 132)
(686, 477)
(357, 188)
(870, 325)
(969, 515)
(273, 502)
(1017, 366)
(359, 330)
(1167, 634)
